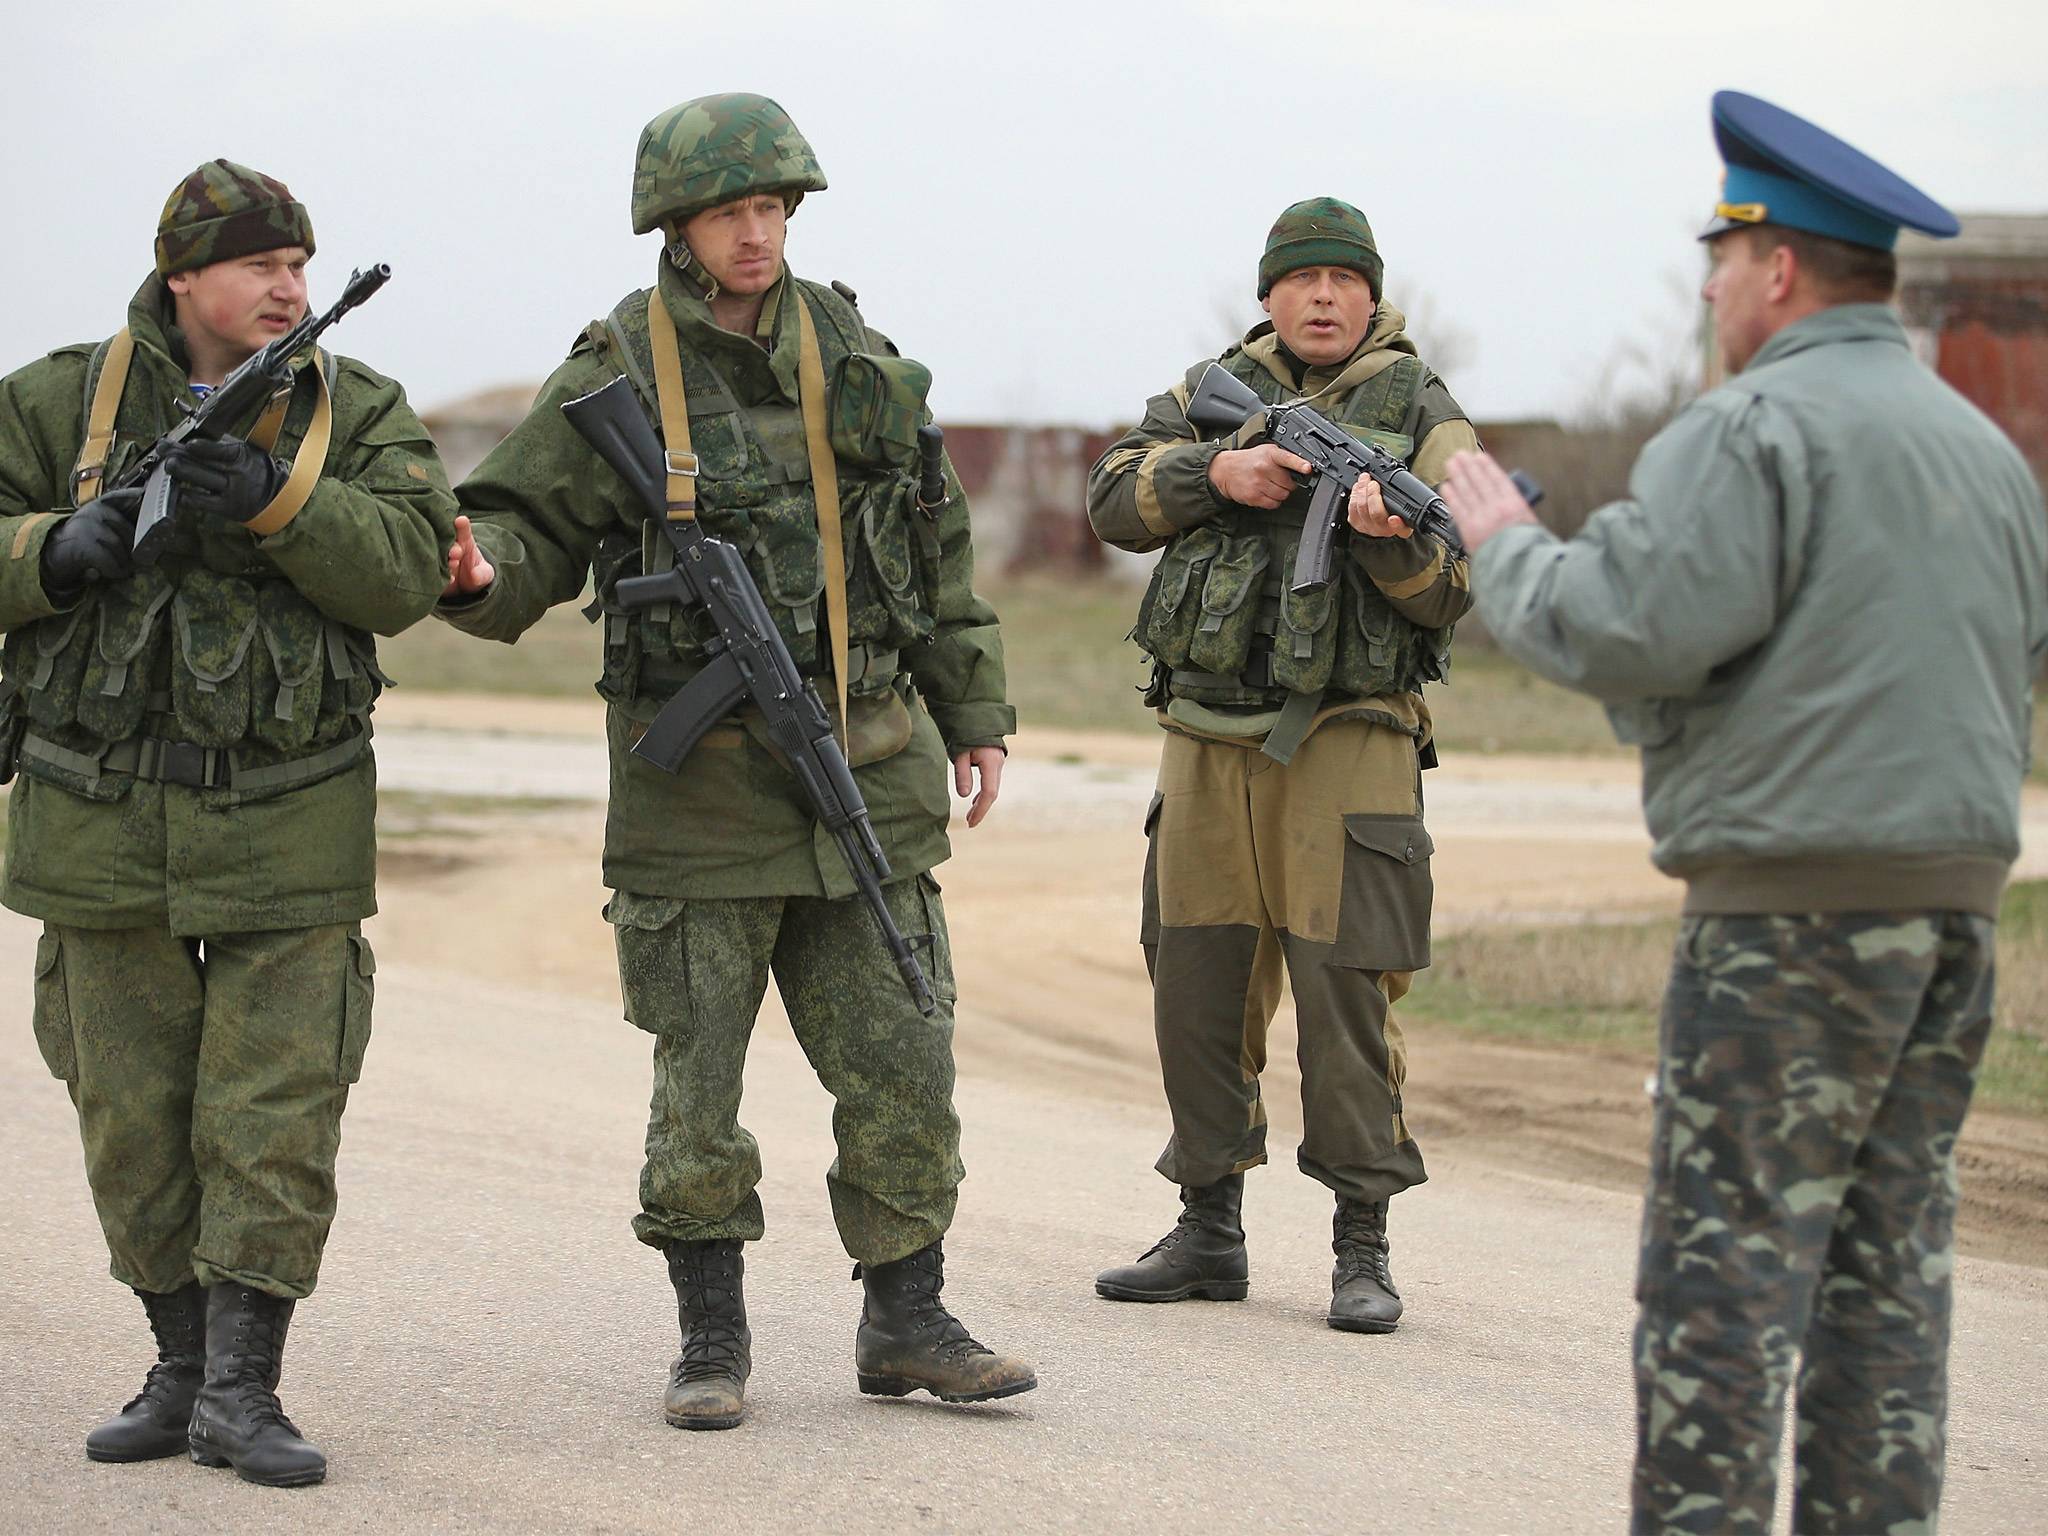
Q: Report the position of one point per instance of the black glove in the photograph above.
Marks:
(224, 477)
(95, 543)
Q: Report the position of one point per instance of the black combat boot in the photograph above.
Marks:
(1203, 1256)
(155, 1421)
(238, 1421)
(1362, 1294)
(707, 1383)
(908, 1340)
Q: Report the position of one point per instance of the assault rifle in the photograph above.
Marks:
(750, 662)
(230, 404)
(1222, 403)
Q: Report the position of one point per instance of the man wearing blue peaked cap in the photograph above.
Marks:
(1819, 612)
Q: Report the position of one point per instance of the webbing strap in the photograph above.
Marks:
(1291, 729)
(307, 463)
(810, 378)
(99, 421)
(675, 410)
(147, 757)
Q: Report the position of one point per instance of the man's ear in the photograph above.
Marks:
(179, 282)
(1267, 303)
(1785, 273)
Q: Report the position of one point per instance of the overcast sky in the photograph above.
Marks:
(1058, 206)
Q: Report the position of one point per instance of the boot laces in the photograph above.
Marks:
(1361, 1244)
(252, 1374)
(180, 1350)
(713, 1345)
(928, 1314)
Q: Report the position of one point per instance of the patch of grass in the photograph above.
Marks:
(1597, 987)
(558, 657)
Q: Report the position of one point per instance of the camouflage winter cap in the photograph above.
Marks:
(224, 210)
(1320, 232)
(714, 149)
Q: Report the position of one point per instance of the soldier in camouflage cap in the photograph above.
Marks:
(224, 210)
(719, 876)
(193, 820)
(1779, 615)
(1288, 825)
(1320, 232)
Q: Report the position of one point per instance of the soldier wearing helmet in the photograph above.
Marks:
(720, 875)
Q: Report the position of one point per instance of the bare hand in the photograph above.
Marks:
(988, 761)
(1482, 499)
(468, 571)
(1263, 476)
(1369, 515)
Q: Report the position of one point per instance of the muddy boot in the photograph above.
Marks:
(907, 1338)
(238, 1421)
(707, 1383)
(1202, 1258)
(156, 1420)
(1362, 1294)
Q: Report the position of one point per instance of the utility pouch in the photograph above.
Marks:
(788, 565)
(53, 664)
(1222, 640)
(287, 670)
(885, 605)
(353, 677)
(1363, 656)
(1305, 640)
(1173, 601)
(878, 403)
(215, 622)
(114, 690)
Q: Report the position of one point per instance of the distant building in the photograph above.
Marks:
(1977, 310)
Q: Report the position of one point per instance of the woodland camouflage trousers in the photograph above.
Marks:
(1814, 1073)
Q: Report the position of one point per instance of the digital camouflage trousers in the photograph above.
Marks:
(694, 973)
(1814, 1073)
(209, 1077)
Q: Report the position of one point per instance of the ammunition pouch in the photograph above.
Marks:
(877, 405)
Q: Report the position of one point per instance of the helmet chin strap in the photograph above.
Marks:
(686, 262)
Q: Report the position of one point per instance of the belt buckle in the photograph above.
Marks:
(181, 762)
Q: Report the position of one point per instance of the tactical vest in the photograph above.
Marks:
(1218, 619)
(753, 487)
(209, 668)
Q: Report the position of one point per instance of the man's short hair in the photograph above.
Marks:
(1845, 273)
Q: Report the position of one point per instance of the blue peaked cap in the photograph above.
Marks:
(1784, 170)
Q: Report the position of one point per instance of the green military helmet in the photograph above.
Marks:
(714, 149)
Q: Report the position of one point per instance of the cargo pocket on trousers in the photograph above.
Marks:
(1383, 914)
(654, 963)
(53, 1011)
(937, 956)
(358, 992)
(1148, 918)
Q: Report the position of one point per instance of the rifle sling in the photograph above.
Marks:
(810, 376)
(307, 463)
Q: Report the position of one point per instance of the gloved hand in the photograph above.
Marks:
(224, 477)
(94, 543)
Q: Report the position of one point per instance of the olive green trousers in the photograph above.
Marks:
(1321, 865)
(209, 1077)
(694, 973)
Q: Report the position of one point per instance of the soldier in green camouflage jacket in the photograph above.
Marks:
(721, 874)
(193, 817)
(1288, 823)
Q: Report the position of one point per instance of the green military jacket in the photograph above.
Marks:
(1819, 614)
(1217, 616)
(552, 517)
(258, 650)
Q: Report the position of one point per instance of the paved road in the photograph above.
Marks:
(488, 1345)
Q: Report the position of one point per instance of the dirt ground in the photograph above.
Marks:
(1042, 903)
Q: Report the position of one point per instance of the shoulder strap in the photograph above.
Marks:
(99, 419)
(810, 375)
(307, 463)
(675, 410)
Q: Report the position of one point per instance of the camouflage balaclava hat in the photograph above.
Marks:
(714, 149)
(1320, 232)
(224, 210)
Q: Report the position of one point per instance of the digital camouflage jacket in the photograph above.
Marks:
(925, 663)
(257, 650)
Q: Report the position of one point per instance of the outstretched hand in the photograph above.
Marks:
(988, 762)
(1482, 499)
(468, 571)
